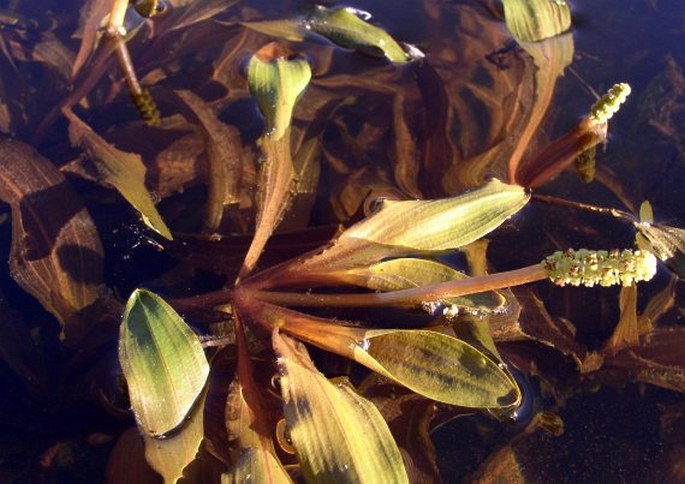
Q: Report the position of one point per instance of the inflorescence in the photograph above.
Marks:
(606, 268)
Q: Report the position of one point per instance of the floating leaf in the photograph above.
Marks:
(441, 224)
(277, 79)
(404, 273)
(343, 26)
(56, 253)
(533, 20)
(339, 435)
(124, 171)
(435, 365)
(163, 362)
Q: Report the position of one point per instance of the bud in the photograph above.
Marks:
(606, 268)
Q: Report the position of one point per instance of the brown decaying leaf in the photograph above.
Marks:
(56, 253)
(225, 159)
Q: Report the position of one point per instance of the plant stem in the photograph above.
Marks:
(408, 297)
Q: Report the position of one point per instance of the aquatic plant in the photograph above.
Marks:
(237, 375)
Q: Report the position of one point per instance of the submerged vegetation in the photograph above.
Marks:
(290, 246)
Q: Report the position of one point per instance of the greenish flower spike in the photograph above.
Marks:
(609, 104)
(606, 268)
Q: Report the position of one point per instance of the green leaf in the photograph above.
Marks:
(339, 435)
(276, 80)
(441, 224)
(343, 26)
(120, 169)
(163, 362)
(534, 20)
(404, 273)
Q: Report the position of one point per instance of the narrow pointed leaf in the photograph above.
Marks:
(163, 362)
(404, 273)
(276, 80)
(343, 26)
(534, 20)
(122, 170)
(441, 224)
(339, 435)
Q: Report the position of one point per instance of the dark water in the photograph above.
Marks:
(621, 424)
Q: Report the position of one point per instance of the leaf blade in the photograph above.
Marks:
(338, 435)
(153, 340)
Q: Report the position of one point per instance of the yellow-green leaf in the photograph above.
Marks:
(343, 26)
(163, 362)
(406, 272)
(256, 465)
(339, 435)
(171, 455)
(441, 224)
(439, 367)
(122, 170)
(533, 20)
(277, 79)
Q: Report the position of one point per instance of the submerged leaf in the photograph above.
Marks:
(56, 253)
(343, 26)
(124, 171)
(163, 362)
(441, 224)
(277, 79)
(339, 435)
